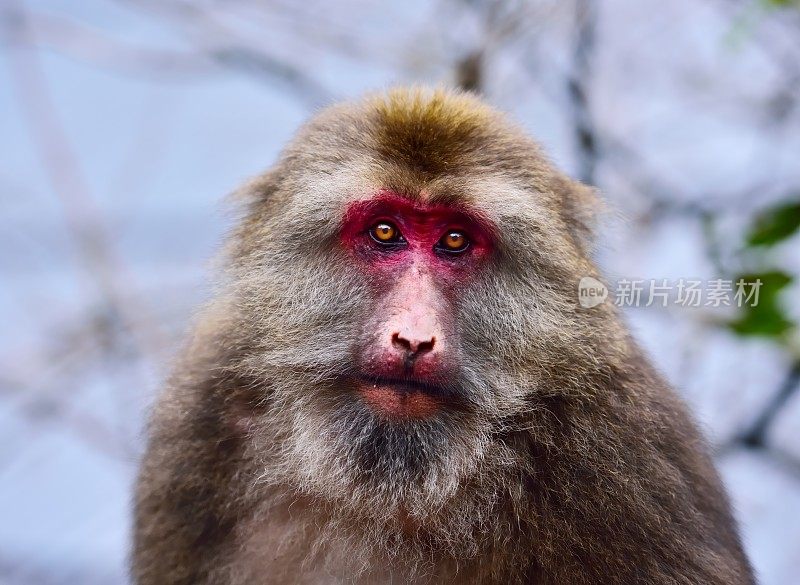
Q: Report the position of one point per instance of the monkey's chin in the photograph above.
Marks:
(397, 400)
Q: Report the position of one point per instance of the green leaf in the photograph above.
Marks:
(772, 282)
(780, 3)
(775, 224)
(767, 318)
(764, 322)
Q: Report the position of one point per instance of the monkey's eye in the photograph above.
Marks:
(453, 242)
(385, 233)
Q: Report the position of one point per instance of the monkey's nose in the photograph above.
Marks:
(413, 346)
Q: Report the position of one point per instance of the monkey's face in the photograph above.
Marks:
(408, 314)
(416, 259)
(403, 337)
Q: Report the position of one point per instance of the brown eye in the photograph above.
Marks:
(453, 241)
(385, 233)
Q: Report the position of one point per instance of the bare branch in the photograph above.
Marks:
(755, 436)
(91, 46)
(215, 40)
(83, 217)
(578, 89)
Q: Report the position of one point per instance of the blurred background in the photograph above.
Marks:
(123, 123)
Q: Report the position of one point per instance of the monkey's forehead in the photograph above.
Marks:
(434, 131)
(436, 146)
(431, 132)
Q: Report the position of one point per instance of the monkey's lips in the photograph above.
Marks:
(398, 398)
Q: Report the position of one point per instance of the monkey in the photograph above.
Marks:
(394, 381)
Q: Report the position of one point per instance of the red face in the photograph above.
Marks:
(417, 258)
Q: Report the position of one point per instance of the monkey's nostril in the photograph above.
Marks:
(413, 347)
(401, 342)
(426, 346)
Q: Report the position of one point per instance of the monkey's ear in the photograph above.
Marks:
(251, 202)
(257, 190)
(581, 210)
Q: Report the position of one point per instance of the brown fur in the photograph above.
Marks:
(574, 464)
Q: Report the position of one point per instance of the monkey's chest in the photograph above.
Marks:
(293, 545)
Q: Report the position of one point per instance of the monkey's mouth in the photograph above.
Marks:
(401, 397)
